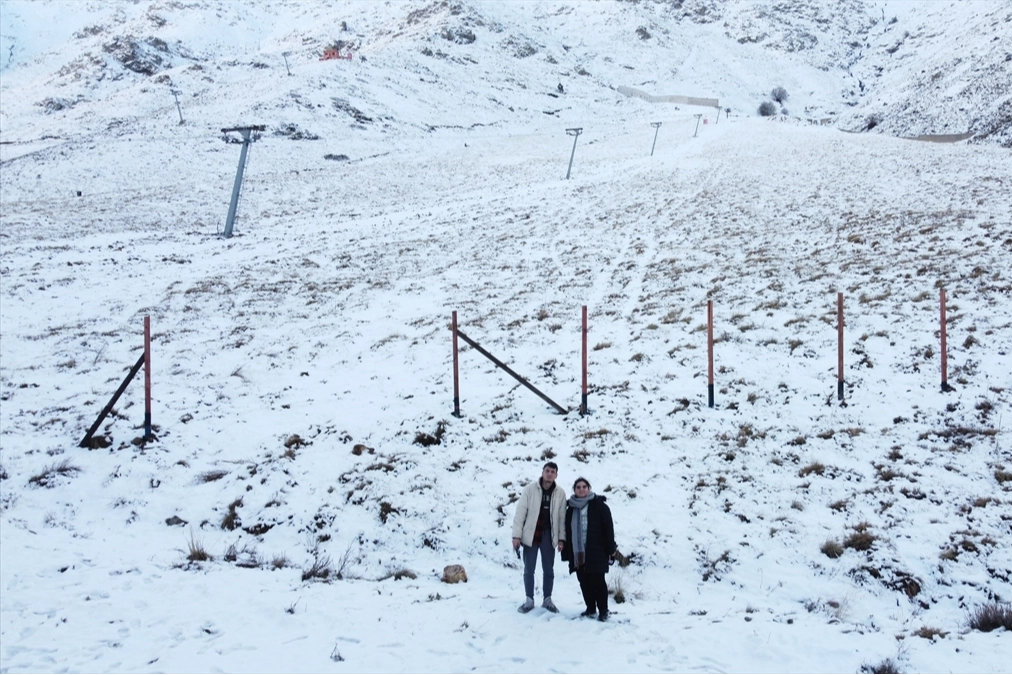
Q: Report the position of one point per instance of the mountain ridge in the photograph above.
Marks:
(857, 63)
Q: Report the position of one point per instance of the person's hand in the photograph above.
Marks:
(562, 545)
(516, 543)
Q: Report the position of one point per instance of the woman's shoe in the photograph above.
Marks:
(590, 611)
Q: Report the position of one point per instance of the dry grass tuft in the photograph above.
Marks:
(320, 569)
(832, 549)
(989, 617)
(231, 521)
(397, 575)
(50, 475)
(196, 551)
(929, 632)
(211, 476)
(862, 540)
(386, 510)
(818, 468)
(425, 440)
(886, 666)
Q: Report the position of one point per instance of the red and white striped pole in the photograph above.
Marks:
(147, 378)
(583, 398)
(945, 355)
(839, 348)
(709, 346)
(456, 375)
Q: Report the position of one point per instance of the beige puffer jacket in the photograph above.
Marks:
(528, 507)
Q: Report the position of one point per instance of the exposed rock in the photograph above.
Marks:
(453, 574)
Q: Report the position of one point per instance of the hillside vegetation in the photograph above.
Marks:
(309, 483)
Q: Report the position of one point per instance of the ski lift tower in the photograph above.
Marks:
(248, 137)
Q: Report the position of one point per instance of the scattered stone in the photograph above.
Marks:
(454, 573)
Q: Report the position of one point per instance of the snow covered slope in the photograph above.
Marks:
(302, 369)
(907, 68)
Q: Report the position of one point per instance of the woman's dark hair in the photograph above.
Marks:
(580, 480)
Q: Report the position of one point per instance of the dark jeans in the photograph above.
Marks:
(595, 590)
(547, 566)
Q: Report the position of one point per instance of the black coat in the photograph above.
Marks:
(600, 537)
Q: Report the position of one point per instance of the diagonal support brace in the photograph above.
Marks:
(518, 378)
(86, 442)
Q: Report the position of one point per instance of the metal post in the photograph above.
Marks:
(717, 118)
(285, 54)
(945, 355)
(575, 133)
(234, 204)
(147, 379)
(839, 348)
(709, 348)
(700, 115)
(456, 376)
(583, 398)
(175, 95)
(657, 128)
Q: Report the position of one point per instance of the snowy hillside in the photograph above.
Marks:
(903, 68)
(302, 370)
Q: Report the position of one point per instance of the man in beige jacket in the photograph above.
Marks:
(539, 525)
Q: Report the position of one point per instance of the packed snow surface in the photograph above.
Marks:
(303, 375)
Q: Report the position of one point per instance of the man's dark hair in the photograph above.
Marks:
(550, 464)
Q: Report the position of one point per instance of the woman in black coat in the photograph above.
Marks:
(590, 546)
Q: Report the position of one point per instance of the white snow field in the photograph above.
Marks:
(301, 368)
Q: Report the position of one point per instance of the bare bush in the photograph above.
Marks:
(320, 569)
(779, 94)
(397, 575)
(386, 510)
(886, 666)
(344, 562)
(231, 520)
(991, 616)
(617, 590)
(425, 440)
(767, 109)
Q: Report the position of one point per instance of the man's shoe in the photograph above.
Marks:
(527, 606)
(590, 611)
(603, 616)
(550, 606)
